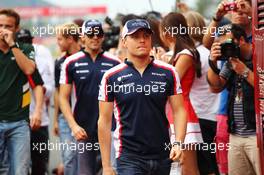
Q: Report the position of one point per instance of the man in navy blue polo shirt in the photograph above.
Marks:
(137, 91)
(84, 71)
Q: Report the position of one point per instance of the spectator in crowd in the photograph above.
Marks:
(186, 60)
(205, 103)
(236, 74)
(241, 17)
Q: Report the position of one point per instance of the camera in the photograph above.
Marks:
(111, 35)
(232, 6)
(229, 49)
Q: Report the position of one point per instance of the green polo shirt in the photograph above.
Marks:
(14, 86)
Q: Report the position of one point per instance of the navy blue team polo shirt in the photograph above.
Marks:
(80, 70)
(139, 107)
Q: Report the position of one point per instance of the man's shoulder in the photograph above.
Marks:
(163, 65)
(75, 57)
(115, 70)
(111, 57)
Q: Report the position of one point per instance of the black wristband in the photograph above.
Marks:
(213, 67)
(13, 46)
(216, 20)
(176, 143)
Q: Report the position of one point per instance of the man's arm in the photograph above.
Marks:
(64, 95)
(180, 124)
(208, 38)
(24, 63)
(104, 134)
(179, 117)
(216, 82)
(35, 120)
(56, 113)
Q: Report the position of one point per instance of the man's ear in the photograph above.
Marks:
(123, 40)
(18, 28)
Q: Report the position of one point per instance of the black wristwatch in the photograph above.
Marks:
(245, 73)
(15, 45)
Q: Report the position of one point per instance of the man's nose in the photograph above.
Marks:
(142, 39)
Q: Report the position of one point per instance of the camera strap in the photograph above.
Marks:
(213, 66)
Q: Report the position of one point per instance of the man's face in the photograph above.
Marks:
(138, 43)
(93, 41)
(63, 43)
(9, 23)
(240, 18)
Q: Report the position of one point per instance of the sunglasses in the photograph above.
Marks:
(91, 35)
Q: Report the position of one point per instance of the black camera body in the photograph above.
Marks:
(229, 49)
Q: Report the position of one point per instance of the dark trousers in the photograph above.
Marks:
(207, 157)
(88, 152)
(135, 165)
(39, 158)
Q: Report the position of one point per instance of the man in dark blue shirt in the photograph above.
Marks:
(84, 71)
(137, 91)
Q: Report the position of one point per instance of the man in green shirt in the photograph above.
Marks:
(16, 67)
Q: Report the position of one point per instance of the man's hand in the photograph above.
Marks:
(220, 13)
(35, 121)
(108, 171)
(56, 128)
(244, 7)
(7, 36)
(215, 51)
(158, 53)
(176, 153)
(79, 133)
(238, 66)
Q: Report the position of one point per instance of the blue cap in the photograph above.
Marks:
(92, 26)
(133, 25)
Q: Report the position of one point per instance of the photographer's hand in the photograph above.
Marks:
(215, 51)
(220, 13)
(238, 66)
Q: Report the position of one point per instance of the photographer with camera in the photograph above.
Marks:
(237, 76)
(241, 12)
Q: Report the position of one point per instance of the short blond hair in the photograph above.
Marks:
(195, 20)
(69, 29)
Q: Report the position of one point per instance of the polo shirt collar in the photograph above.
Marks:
(130, 63)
